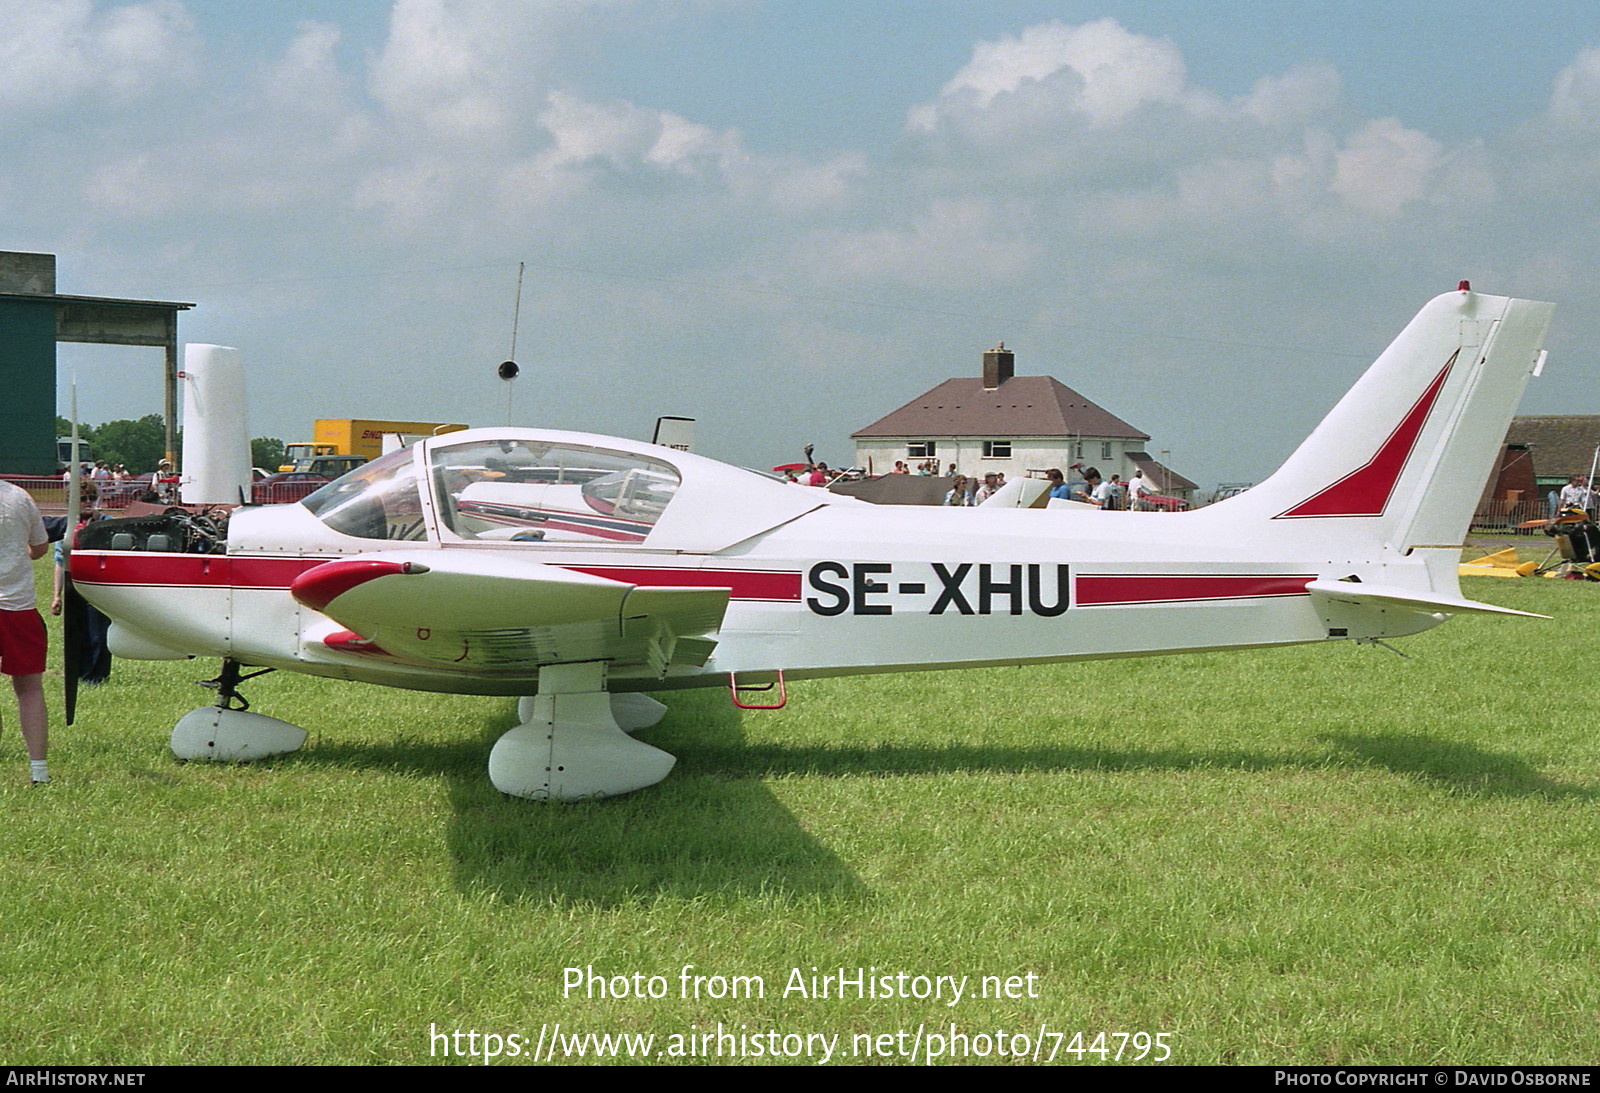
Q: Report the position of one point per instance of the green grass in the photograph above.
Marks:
(1310, 855)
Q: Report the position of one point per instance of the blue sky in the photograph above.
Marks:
(785, 219)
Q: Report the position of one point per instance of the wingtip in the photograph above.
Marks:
(316, 588)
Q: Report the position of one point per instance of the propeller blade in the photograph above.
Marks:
(72, 609)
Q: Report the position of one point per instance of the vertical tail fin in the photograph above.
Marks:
(1402, 459)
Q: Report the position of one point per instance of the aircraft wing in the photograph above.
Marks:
(492, 611)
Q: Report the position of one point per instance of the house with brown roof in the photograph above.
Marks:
(1541, 453)
(999, 421)
(1559, 445)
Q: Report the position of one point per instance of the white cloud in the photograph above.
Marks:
(1575, 96)
(53, 52)
(955, 243)
(1225, 185)
(796, 185)
(625, 135)
(1385, 166)
(1071, 172)
(414, 196)
(307, 75)
(1298, 95)
(456, 68)
(1099, 71)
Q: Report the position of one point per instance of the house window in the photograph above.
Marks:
(1077, 450)
(920, 449)
(1105, 449)
(997, 449)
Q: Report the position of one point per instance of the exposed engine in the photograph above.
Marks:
(175, 531)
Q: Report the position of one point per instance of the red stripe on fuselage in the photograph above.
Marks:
(221, 571)
(1106, 590)
(188, 570)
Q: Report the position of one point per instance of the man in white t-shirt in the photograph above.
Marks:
(22, 637)
(1138, 486)
(1575, 494)
(1102, 493)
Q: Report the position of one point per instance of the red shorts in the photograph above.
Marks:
(22, 643)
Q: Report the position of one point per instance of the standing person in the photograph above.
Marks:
(1575, 494)
(1091, 482)
(22, 638)
(1103, 494)
(1113, 493)
(1059, 490)
(1138, 486)
(987, 490)
(94, 664)
(958, 493)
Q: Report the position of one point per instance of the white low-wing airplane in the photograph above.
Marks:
(583, 569)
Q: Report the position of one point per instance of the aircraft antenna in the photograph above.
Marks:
(508, 368)
(516, 311)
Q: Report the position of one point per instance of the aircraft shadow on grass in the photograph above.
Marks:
(715, 827)
(1461, 768)
(713, 833)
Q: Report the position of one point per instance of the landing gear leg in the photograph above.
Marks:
(633, 711)
(570, 747)
(227, 731)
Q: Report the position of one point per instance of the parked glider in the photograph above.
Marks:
(583, 570)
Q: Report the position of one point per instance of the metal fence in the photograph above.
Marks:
(282, 493)
(1504, 516)
(49, 492)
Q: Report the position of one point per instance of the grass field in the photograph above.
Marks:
(1311, 855)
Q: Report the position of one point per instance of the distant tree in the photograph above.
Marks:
(85, 434)
(64, 428)
(138, 445)
(266, 452)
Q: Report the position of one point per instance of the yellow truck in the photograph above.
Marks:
(348, 437)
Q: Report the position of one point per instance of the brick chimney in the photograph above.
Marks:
(998, 366)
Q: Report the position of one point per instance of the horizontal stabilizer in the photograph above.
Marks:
(1372, 595)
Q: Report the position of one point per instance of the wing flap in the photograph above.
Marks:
(493, 611)
(673, 625)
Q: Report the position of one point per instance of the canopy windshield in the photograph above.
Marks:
(539, 491)
(378, 500)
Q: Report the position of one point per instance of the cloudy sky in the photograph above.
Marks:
(787, 217)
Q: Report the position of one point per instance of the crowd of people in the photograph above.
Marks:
(813, 474)
(967, 490)
(1103, 493)
(1087, 487)
(928, 467)
(116, 485)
